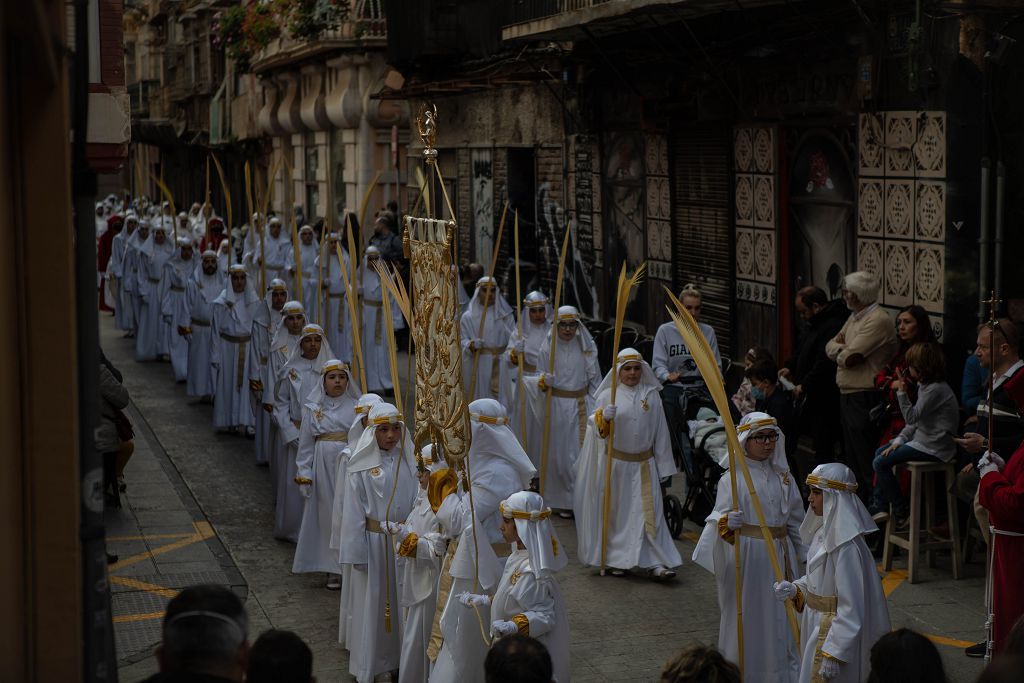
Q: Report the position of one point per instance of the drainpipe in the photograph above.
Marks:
(983, 240)
(997, 257)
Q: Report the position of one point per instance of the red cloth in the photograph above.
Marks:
(1002, 494)
(211, 242)
(104, 248)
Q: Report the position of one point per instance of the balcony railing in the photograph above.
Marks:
(366, 26)
(532, 10)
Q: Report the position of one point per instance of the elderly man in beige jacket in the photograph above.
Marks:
(863, 346)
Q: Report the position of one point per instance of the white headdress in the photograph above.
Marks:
(533, 523)
(325, 348)
(844, 516)
(317, 395)
(536, 299)
(582, 333)
(367, 453)
(501, 308)
(758, 423)
(492, 438)
(648, 382)
(362, 409)
(281, 332)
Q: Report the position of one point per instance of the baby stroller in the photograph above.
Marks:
(698, 445)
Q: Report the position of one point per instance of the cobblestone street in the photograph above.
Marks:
(198, 509)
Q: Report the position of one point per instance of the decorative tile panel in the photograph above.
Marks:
(659, 240)
(744, 253)
(764, 150)
(930, 210)
(869, 256)
(899, 209)
(900, 135)
(929, 147)
(744, 199)
(764, 255)
(656, 150)
(659, 202)
(755, 292)
(898, 282)
(659, 270)
(764, 201)
(871, 139)
(870, 206)
(743, 149)
(929, 276)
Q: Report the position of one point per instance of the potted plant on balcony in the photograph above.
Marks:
(309, 19)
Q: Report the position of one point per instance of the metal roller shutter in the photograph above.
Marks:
(702, 242)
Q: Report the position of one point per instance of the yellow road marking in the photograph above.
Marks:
(117, 539)
(691, 536)
(142, 585)
(952, 642)
(127, 618)
(892, 580)
(203, 531)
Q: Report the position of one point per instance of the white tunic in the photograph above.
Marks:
(317, 459)
(535, 336)
(374, 332)
(775, 659)
(369, 501)
(310, 255)
(173, 308)
(539, 599)
(200, 292)
(576, 372)
(124, 314)
(862, 616)
(419, 572)
(280, 472)
(337, 321)
(639, 426)
(231, 333)
(153, 330)
(496, 333)
(294, 382)
(277, 251)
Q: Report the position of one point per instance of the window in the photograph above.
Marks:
(312, 167)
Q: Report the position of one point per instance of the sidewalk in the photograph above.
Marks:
(163, 543)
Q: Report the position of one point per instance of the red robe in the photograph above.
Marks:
(1002, 494)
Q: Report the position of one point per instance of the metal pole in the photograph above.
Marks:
(997, 256)
(983, 237)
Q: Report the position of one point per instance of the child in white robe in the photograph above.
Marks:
(637, 534)
(381, 487)
(775, 659)
(326, 419)
(524, 418)
(842, 604)
(418, 542)
(483, 346)
(571, 385)
(528, 599)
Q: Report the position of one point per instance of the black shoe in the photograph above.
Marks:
(977, 651)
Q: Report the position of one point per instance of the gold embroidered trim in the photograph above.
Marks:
(522, 623)
(408, 546)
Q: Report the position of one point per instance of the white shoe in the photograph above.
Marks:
(661, 573)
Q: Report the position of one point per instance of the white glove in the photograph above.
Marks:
(473, 599)
(784, 590)
(397, 530)
(502, 627)
(306, 490)
(609, 411)
(437, 544)
(736, 520)
(829, 668)
(990, 462)
(519, 345)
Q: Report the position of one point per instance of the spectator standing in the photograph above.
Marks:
(385, 237)
(973, 387)
(865, 342)
(814, 374)
(744, 399)
(926, 434)
(113, 435)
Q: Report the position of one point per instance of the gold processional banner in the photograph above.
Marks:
(440, 402)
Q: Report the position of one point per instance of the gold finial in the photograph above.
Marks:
(993, 305)
(426, 123)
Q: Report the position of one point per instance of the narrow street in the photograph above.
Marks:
(198, 509)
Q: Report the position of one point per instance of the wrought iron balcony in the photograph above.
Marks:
(562, 19)
(365, 27)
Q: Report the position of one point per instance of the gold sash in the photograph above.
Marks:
(779, 533)
(332, 436)
(243, 343)
(379, 305)
(646, 497)
(581, 406)
(196, 322)
(444, 587)
(826, 605)
(494, 385)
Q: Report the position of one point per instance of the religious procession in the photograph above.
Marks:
(513, 342)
